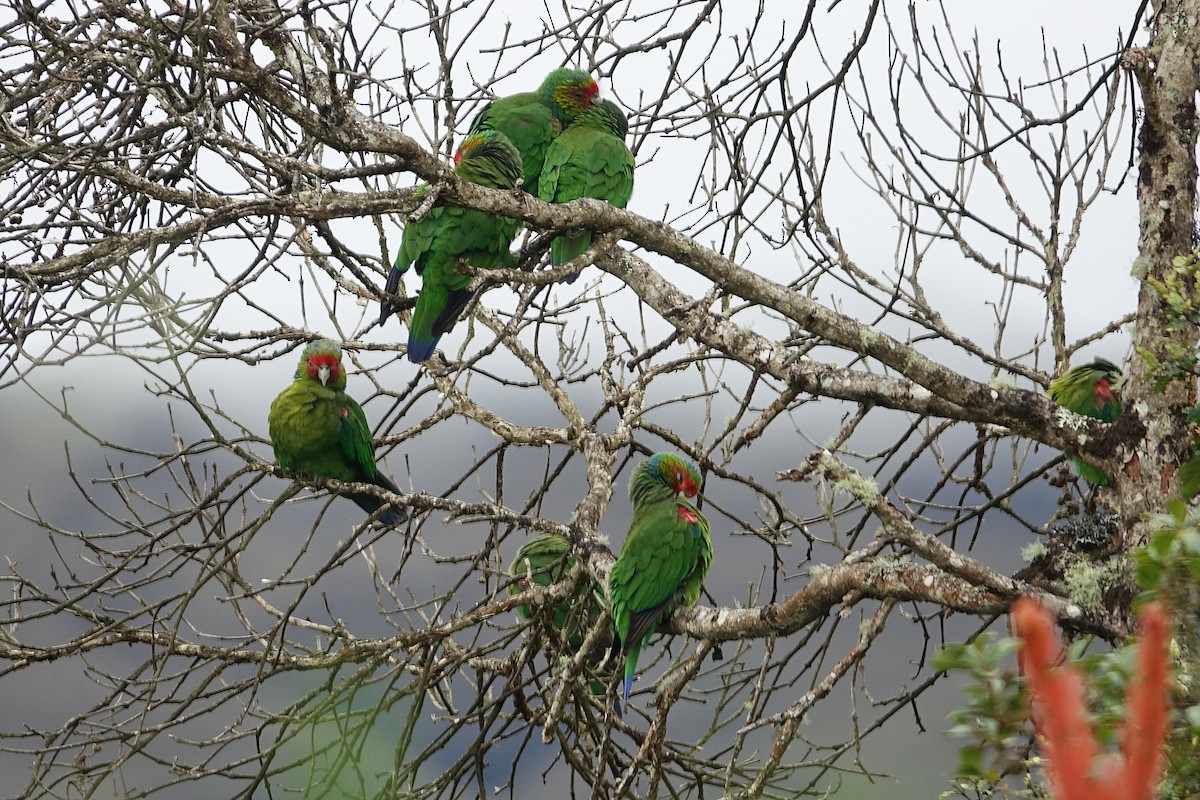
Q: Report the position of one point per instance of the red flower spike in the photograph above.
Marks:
(1058, 706)
(1146, 708)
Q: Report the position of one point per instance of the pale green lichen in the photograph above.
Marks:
(867, 337)
(999, 383)
(1086, 582)
(860, 487)
(888, 565)
(1069, 419)
(855, 484)
(1031, 551)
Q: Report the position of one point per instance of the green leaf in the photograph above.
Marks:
(1189, 475)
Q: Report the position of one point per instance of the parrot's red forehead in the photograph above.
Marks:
(318, 360)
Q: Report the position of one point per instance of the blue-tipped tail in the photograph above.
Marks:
(391, 518)
(627, 685)
(421, 349)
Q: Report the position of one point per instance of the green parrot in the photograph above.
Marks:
(664, 558)
(589, 159)
(533, 119)
(546, 560)
(318, 430)
(449, 235)
(1092, 390)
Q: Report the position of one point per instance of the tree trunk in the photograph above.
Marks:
(1167, 73)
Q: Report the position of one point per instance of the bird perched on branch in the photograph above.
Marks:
(449, 236)
(664, 558)
(589, 159)
(544, 561)
(319, 432)
(532, 120)
(1092, 390)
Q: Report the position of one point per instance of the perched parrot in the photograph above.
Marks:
(449, 235)
(533, 119)
(589, 159)
(664, 558)
(318, 430)
(546, 560)
(1092, 390)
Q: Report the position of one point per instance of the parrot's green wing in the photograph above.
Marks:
(662, 567)
(450, 236)
(545, 560)
(286, 425)
(355, 436)
(462, 235)
(418, 237)
(530, 126)
(589, 159)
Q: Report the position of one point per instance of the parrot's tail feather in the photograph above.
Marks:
(569, 245)
(391, 518)
(387, 308)
(630, 668)
(420, 350)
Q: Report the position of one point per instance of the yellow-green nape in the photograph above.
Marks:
(570, 91)
(485, 143)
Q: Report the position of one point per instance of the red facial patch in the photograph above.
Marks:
(323, 360)
(684, 484)
(576, 95)
(1103, 390)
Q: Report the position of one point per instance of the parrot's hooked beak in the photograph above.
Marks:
(323, 374)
